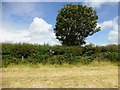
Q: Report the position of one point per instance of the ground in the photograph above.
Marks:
(67, 76)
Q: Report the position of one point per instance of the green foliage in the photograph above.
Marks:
(74, 23)
(56, 59)
(73, 59)
(7, 48)
(86, 60)
(10, 61)
(112, 56)
(68, 50)
(35, 54)
(24, 50)
(89, 49)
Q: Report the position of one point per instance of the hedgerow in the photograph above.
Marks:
(34, 54)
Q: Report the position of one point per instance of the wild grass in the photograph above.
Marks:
(94, 75)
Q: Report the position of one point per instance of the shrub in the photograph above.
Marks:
(68, 50)
(89, 49)
(112, 56)
(11, 60)
(73, 59)
(55, 59)
(12, 53)
(7, 48)
(24, 50)
(86, 60)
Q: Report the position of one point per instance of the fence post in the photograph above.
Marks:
(22, 58)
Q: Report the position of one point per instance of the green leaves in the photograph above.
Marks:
(35, 54)
(72, 19)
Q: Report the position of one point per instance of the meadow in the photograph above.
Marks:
(102, 75)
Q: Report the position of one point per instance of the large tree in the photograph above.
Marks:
(74, 23)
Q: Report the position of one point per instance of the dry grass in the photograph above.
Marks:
(102, 76)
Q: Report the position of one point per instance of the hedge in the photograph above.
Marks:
(12, 53)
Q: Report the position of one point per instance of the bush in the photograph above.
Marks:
(7, 48)
(86, 60)
(112, 56)
(89, 49)
(12, 54)
(56, 59)
(68, 50)
(10, 61)
(73, 59)
(24, 50)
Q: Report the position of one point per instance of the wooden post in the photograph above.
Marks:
(22, 58)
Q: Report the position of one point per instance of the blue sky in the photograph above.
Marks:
(21, 22)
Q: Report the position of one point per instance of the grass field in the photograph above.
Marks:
(97, 75)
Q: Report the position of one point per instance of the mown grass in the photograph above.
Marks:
(94, 75)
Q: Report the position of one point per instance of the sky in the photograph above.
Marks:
(33, 22)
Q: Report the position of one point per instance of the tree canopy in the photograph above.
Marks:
(74, 23)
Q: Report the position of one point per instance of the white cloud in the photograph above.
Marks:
(113, 34)
(98, 3)
(13, 36)
(39, 32)
(40, 26)
(105, 24)
(113, 26)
